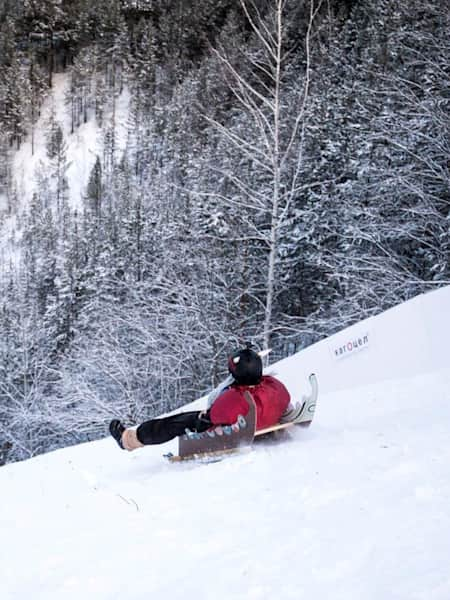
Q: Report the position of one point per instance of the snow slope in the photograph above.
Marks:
(82, 147)
(355, 507)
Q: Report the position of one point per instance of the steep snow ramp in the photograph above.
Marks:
(354, 507)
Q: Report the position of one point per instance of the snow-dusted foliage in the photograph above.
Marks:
(200, 173)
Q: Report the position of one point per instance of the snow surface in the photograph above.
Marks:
(354, 508)
(82, 147)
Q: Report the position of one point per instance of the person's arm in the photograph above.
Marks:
(215, 393)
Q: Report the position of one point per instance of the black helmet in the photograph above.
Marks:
(246, 366)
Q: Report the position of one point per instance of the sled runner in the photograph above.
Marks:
(229, 439)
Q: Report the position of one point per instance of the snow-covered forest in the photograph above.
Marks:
(283, 172)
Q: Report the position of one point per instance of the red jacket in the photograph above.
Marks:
(270, 395)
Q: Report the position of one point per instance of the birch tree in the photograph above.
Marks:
(272, 144)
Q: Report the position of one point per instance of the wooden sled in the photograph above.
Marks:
(230, 439)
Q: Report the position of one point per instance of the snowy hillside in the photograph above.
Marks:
(356, 507)
(82, 147)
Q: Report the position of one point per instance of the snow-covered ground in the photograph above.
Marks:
(82, 147)
(354, 508)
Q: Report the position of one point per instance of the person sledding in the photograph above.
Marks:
(225, 404)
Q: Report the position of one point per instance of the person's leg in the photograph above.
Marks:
(158, 431)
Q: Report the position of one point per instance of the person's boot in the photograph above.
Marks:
(126, 438)
(116, 429)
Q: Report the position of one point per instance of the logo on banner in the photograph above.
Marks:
(351, 346)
